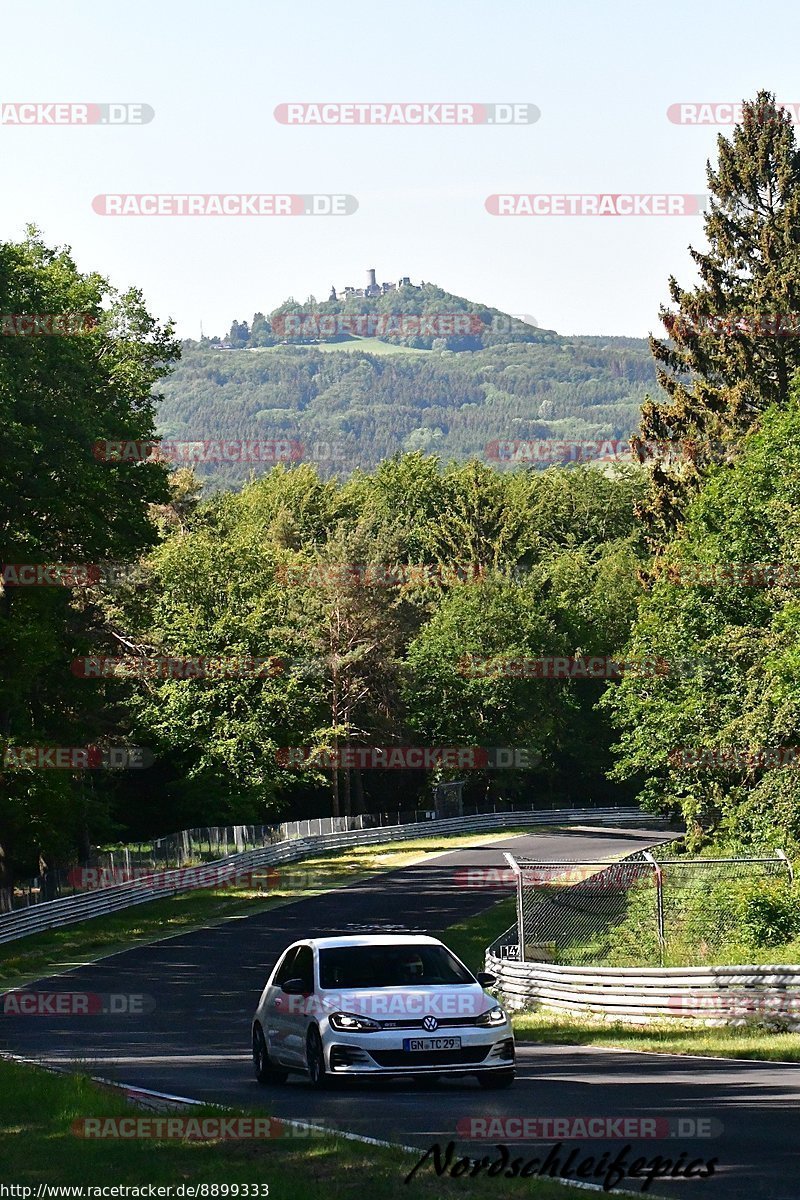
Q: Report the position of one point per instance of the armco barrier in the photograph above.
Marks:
(52, 914)
(640, 995)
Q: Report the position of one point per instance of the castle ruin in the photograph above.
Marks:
(372, 289)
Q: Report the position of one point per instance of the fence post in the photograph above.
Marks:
(659, 902)
(782, 855)
(512, 862)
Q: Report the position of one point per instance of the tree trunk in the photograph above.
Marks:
(335, 789)
(359, 792)
(6, 879)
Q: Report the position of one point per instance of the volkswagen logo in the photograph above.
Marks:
(430, 1023)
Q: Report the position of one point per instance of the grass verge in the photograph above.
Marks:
(679, 1037)
(42, 954)
(37, 1111)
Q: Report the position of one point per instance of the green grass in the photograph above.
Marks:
(41, 954)
(674, 1037)
(469, 939)
(37, 1110)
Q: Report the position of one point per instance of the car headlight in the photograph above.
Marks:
(351, 1023)
(492, 1016)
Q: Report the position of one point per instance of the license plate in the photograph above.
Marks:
(440, 1043)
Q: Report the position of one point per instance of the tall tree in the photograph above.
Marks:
(735, 337)
(60, 394)
(715, 736)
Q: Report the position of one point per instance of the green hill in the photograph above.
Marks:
(491, 378)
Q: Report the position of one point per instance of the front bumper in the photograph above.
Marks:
(383, 1053)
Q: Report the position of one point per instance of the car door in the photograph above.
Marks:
(275, 1011)
(300, 1008)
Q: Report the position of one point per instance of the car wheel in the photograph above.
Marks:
(494, 1080)
(262, 1064)
(315, 1060)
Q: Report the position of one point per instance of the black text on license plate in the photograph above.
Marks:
(438, 1043)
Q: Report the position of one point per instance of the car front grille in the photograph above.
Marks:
(444, 1023)
(430, 1058)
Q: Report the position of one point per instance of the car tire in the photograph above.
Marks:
(265, 1071)
(315, 1060)
(494, 1080)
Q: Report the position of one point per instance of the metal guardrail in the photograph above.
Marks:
(191, 847)
(188, 848)
(735, 995)
(53, 914)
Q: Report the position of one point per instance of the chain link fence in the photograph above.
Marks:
(646, 909)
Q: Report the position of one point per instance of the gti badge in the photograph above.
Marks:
(430, 1023)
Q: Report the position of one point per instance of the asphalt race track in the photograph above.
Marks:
(205, 985)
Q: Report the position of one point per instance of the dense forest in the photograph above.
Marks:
(420, 600)
(349, 407)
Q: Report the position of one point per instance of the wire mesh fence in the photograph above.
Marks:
(647, 908)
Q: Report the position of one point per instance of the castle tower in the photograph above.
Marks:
(371, 278)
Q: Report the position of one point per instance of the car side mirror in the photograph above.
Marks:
(485, 978)
(294, 987)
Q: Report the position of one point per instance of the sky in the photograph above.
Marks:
(602, 76)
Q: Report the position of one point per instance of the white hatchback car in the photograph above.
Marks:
(379, 1005)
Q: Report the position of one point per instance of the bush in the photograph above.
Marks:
(769, 914)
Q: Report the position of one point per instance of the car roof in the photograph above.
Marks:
(372, 939)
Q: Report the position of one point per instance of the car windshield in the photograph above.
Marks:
(390, 966)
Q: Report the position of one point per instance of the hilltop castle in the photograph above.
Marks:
(372, 289)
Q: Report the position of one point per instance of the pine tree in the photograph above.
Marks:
(735, 338)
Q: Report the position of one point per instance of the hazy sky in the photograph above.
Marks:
(603, 76)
